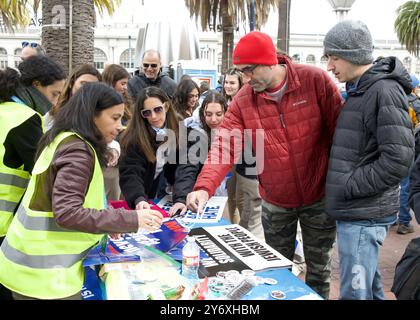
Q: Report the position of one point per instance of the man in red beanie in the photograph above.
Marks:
(297, 107)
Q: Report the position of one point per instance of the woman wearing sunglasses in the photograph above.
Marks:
(63, 213)
(146, 156)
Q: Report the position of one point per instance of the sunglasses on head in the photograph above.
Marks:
(147, 113)
(32, 44)
(147, 65)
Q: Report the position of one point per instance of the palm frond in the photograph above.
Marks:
(108, 5)
(407, 26)
(13, 13)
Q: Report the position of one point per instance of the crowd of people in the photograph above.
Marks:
(70, 144)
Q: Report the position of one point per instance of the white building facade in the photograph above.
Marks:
(116, 43)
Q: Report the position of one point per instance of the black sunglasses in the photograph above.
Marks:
(32, 44)
(147, 65)
(247, 69)
(147, 113)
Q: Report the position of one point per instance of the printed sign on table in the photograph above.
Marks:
(212, 212)
(232, 247)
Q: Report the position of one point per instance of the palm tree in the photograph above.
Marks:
(68, 26)
(283, 33)
(407, 26)
(227, 13)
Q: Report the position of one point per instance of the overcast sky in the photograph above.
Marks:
(307, 16)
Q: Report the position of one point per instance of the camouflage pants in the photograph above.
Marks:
(318, 235)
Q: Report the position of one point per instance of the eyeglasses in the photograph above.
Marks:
(147, 65)
(147, 113)
(248, 69)
(32, 44)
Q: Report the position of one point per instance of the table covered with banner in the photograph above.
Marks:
(234, 264)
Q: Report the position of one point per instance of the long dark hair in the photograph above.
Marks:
(68, 87)
(110, 76)
(78, 114)
(212, 97)
(139, 133)
(180, 99)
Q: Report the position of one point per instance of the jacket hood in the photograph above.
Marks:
(385, 68)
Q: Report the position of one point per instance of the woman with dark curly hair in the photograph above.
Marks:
(41, 83)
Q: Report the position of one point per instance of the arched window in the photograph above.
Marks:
(324, 60)
(99, 58)
(17, 55)
(3, 58)
(310, 59)
(296, 58)
(407, 64)
(127, 58)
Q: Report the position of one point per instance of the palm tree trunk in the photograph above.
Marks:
(227, 29)
(283, 34)
(57, 40)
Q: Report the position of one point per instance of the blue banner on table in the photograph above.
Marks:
(232, 247)
(126, 248)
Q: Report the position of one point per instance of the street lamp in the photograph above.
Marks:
(341, 7)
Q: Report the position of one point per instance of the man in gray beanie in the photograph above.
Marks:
(373, 149)
(351, 41)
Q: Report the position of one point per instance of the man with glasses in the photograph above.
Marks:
(151, 75)
(30, 49)
(297, 107)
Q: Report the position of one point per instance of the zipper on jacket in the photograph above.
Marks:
(282, 120)
(293, 164)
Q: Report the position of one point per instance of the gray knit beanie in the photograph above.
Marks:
(351, 41)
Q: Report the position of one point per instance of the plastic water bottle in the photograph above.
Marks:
(190, 259)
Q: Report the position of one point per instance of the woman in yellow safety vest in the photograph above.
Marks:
(63, 213)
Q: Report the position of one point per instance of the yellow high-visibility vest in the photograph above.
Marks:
(38, 258)
(13, 181)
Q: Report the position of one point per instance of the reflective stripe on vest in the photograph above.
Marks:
(38, 258)
(38, 223)
(40, 262)
(13, 181)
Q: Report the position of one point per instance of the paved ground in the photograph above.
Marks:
(391, 253)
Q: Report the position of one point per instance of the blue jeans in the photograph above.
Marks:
(404, 217)
(358, 250)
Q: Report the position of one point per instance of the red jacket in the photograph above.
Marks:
(298, 134)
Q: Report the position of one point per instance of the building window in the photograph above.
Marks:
(99, 58)
(17, 55)
(310, 59)
(125, 60)
(407, 64)
(296, 58)
(3, 58)
(324, 60)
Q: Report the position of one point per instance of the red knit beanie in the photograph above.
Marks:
(255, 48)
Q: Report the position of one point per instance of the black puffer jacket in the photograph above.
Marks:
(140, 81)
(373, 145)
